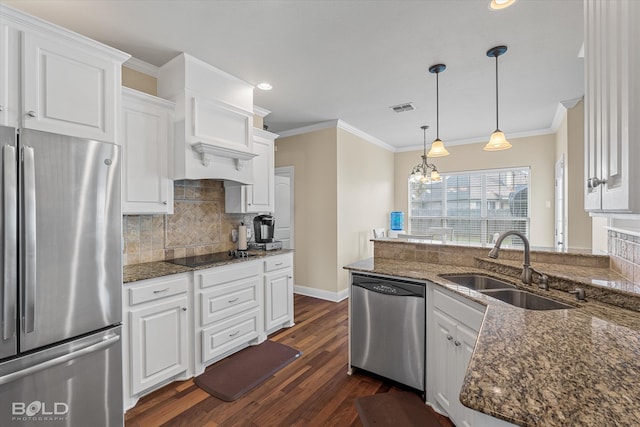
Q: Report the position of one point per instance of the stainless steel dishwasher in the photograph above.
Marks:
(388, 328)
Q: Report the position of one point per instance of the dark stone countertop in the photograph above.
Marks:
(151, 270)
(544, 368)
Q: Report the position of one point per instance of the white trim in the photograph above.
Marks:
(145, 97)
(308, 129)
(290, 172)
(142, 67)
(561, 113)
(623, 231)
(369, 138)
(321, 294)
(260, 112)
(264, 133)
(24, 20)
(342, 125)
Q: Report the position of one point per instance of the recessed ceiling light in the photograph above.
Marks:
(500, 4)
(264, 86)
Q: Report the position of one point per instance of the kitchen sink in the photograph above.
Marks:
(525, 299)
(477, 282)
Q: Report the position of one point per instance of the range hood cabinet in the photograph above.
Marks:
(213, 121)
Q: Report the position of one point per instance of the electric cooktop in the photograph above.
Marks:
(199, 260)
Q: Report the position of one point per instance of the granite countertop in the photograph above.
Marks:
(544, 368)
(151, 270)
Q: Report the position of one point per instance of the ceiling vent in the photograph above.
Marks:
(400, 108)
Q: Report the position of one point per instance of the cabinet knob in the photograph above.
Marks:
(164, 203)
(290, 277)
(449, 337)
(31, 113)
(1, 108)
(595, 181)
(184, 308)
(457, 343)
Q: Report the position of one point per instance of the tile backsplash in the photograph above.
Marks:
(624, 255)
(198, 225)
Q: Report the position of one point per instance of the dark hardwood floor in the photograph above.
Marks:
(314, 390)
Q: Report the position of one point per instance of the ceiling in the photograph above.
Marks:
(353, 59)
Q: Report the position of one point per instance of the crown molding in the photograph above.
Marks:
(142, 67)
(341, 125)
(261, 112)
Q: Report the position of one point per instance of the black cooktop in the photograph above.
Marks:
(199, 260)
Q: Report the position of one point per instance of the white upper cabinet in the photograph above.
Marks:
(214, 120)
(612, 95)
(69, 84)
(9, 75)
(146, 134)
(259, 197)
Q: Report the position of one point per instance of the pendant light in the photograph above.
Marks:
(497, 141)
(425, 172)
(437, 146)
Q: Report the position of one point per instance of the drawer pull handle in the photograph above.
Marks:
(231, 301)
(234, 334)
(278, 264)
(161, 291)
(449, 337)
(31, 113)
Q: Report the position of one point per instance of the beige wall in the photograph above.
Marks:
(139, 81)
(313, 156)
(365, 198)
(538, 152)
(578, 221)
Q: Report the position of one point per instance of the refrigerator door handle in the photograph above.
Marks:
(9, 243)
(29, 218)
(92, 348)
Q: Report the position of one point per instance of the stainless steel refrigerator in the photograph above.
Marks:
(60, 261)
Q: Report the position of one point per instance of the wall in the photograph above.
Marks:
(139, 81)
(536, 152)
(313, 156)
(198, 225)
(578, 221)
(365, 198)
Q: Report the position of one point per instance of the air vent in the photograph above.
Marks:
(400, 108)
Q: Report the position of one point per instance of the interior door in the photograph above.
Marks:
(284, 203)
(71, 230)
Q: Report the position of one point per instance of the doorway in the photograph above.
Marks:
(284, 203)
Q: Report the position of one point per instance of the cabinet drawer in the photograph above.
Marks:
(229, 273)
(461, 311)
(224, 336)
(157, 290)
(223, 301)
(277, 263)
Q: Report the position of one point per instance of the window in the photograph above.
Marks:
(471, 207)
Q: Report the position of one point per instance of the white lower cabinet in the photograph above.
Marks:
(156, 326)
(175, 326)
(278, 293)
(453, 323)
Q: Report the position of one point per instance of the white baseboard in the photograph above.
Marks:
(320, 293)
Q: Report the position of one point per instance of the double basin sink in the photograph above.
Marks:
(505, 292)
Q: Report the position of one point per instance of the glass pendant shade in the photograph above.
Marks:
(435, 176)
(437, 149)
(497, 142)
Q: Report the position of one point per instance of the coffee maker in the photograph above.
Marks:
(263, 226)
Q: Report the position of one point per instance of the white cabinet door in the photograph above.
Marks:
(464, 343)
(443, 352)
(9, 76)
(146, 134)
(158, 348)
(278, 299)
(611, 90)
(259, 197)
(68, 89)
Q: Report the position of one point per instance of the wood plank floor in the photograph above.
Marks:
(314, 390)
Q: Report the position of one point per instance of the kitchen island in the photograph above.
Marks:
(557, 367)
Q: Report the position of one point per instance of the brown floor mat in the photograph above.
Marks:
(395, 409)
(234, 376)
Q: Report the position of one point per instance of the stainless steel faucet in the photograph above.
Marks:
(527, 271)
